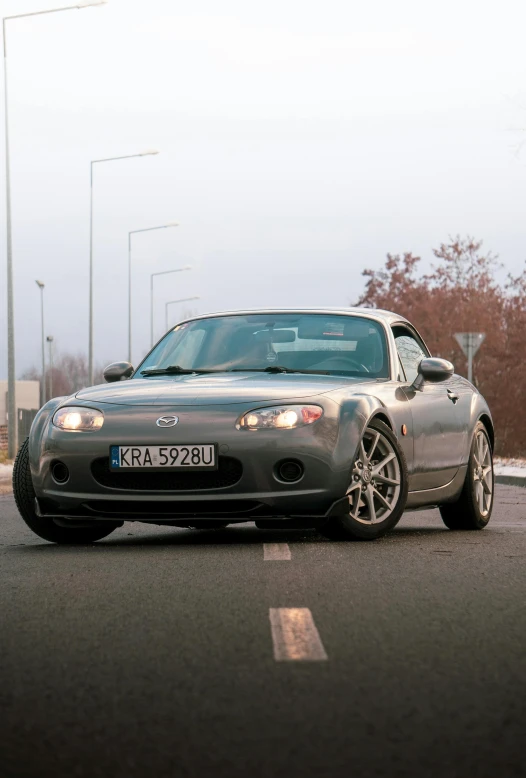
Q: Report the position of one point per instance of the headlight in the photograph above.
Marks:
(286, 417)
(78, 419)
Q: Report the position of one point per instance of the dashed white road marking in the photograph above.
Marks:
(295, 636)
(276, 552)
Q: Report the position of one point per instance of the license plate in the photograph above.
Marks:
(182, 457)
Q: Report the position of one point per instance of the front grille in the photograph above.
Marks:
(228, 473)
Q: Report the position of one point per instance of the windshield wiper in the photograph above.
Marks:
(178, 370)
(275, 369)
(174, 370)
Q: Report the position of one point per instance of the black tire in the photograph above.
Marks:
(45, 527)
(348, 527)
(466, 512)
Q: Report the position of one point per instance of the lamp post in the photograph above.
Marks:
(43, 381)
(50, 341)
(182, 300)
(134, 232)
(11, 379)
(162, 273)
(146, 153)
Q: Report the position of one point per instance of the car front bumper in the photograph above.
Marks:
(322, 450)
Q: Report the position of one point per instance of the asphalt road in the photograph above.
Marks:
(152, 653)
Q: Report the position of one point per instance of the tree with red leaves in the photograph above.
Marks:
(461, 294)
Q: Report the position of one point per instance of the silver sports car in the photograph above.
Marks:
(334, 419)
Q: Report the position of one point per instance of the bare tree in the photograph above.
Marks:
(69, 374)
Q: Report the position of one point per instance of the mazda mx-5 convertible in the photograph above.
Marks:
(334, 419)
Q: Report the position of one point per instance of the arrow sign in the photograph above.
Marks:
(470, 342)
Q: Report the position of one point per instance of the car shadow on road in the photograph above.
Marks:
(245, 535)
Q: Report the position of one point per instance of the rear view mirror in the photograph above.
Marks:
(275, 336)
(117, 371)
(433, 370)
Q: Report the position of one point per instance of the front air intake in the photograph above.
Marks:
(60, 472)
(290, 470)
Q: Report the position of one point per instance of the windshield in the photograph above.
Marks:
(332, 344)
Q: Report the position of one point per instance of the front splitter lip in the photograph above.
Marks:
(77, 497)
(247, 507)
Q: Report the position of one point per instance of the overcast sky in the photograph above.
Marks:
(300, 141)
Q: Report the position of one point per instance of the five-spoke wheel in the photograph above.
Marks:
(483, 472)
(378, 489)
(376, 476)
(473, 508)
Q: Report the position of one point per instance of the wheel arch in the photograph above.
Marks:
(356, 413)
(487, 422)
(380, 416)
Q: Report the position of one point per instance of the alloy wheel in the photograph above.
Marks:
(482, 473)
(375, 487)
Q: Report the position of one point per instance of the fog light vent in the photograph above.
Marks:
(60, 472)
(290, 470)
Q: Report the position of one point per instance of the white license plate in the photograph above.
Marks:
(184, 457)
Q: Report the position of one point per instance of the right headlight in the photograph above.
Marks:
(285, 417)
(76, 419)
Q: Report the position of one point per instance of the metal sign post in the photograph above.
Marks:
(470, 342)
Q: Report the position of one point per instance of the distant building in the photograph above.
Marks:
(27, 402)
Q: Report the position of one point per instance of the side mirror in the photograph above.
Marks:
(433, 370)
(117, 371)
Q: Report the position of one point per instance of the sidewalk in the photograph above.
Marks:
(510, 471)
(6, 473)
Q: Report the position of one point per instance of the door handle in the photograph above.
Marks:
(452, 396)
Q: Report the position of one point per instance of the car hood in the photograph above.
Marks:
(220, 389)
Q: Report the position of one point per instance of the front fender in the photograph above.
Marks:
(38, 429)
(355, 414)
(480, 411)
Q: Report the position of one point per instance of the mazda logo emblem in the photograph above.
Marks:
(167, 421)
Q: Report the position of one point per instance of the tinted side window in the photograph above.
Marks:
(410, 352)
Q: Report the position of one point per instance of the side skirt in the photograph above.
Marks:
(431, 497)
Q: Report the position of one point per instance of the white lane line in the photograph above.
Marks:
(275, 552)
(295, 636)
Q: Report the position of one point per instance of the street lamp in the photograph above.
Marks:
(41, 286)
(11, 381)
(146, 153)
(133, 232)
(182, 300)
(50, 341)
(162, 273)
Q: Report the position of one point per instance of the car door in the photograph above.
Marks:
(439, 434)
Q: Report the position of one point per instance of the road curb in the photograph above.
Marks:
(511, 480)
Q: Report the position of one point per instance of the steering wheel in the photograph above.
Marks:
(339, 363)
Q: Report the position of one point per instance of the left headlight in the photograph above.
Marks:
(75, 419)
(285, 417)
